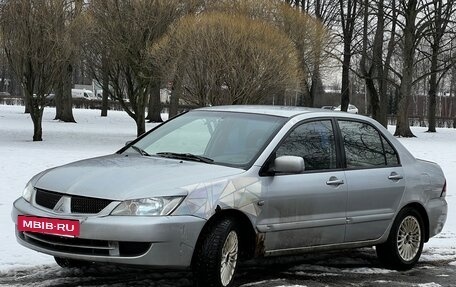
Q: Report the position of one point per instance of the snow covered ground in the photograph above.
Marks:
(20, 159)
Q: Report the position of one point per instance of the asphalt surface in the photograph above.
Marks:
(348, 268)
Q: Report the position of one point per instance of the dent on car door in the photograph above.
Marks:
(374, 178)
(306, 209)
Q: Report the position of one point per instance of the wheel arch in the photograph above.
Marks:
(422, 211)
(247, 236)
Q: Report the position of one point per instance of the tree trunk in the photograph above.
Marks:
(140, 123)
(2, 81)
(64, 100)
(279, 99)
(374, 102)
(304, 94)
(382, 116)
(408, 56)
(174, 99)
(379, 104)
(345, 92)
(403, 126)
(26, 102)
(154, 109)
(104, 102)
(348, 12)
(440, 21)
(136, 107)
(140, 105)
(105, 87)
(37, 129)
(383, 90)
(432, 92)
(36, 113)
(58, 100)
(316, 85)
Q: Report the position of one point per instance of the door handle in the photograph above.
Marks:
(395, 176)
(334, 181)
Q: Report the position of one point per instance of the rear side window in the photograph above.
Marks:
(365, 147)
(390, 153)
(314, 142)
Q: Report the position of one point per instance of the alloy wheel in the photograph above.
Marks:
(409, 238)
(229, 258)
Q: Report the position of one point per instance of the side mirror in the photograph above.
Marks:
(289, 164)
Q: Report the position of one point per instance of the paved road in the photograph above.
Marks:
(349, 268)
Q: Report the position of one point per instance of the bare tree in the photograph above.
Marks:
(349, 17)
(409, 11)
(121, 32)
(72, 26)
(310, 39)
(439, 15)
(416, 22)
(375, 60)
(220, 58)
(307, 33)
(36, 49)
(326, 12)
(155, 105)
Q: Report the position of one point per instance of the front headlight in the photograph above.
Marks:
(148, 206)
(28, 192)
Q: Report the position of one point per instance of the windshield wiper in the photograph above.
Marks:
(140, 150)
(186, 156)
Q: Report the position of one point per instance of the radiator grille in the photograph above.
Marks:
(87, 204)
(79, 204)
(46, 198)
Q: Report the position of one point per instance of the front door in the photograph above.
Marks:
(306, 209)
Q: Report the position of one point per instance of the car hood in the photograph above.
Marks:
(122, 177)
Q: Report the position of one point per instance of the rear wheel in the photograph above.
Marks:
(216, 258)
(405, 243)
(71, 263)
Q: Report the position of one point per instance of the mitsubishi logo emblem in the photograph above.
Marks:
(63, 205)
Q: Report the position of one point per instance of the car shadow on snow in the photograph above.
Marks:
(322, 269)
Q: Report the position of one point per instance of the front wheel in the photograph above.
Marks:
(405, 243)
(216, 258)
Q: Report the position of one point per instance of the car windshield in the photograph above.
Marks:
(225, 138)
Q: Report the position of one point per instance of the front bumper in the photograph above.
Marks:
(160, 242)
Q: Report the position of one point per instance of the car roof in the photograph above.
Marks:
(280, 111)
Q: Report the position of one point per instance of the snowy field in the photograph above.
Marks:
(20, 159)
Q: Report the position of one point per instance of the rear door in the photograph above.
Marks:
(375, 180)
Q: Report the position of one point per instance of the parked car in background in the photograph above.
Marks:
(82, 94)
(328, 107)
(217, 185)
(351, 109)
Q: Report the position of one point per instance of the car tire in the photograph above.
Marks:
(217, 257)
(71, 263)
(405, 242)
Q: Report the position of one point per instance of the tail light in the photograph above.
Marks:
(443, 194)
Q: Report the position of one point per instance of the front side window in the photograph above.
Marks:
(364, 146)
(226, 138)
(314, 142)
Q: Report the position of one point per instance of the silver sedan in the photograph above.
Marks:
(218, 185)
